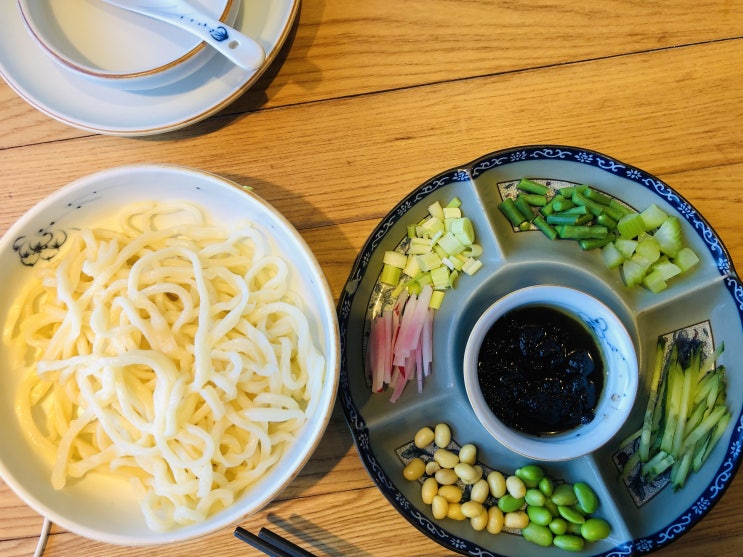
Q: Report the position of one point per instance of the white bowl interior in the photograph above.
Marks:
(109, 43)
(101, 506)
(620, 379)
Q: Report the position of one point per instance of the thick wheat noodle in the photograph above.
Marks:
(174, 354)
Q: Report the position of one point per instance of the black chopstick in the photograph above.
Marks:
(271, 544)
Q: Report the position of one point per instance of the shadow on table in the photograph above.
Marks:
(317, 539)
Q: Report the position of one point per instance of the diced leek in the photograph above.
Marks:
(428, 261)
(412, 230)
(395, 258)
(436, 298)
(453, 202)
(441, 252)
(612, 256)
(471, 266)
(452, 213)
(463, 230)
(653, 216)
(419, 248)
(473, 250)
(440, 277)
(424, 278)
(411, 268)
(431, 227)
(451, 244)
(436, 210)
(454, 263)
(390, 274)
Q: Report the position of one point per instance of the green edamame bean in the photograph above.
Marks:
(558, 526)
(573, 528)
(571, 514)
(551, 507)
(569, 542)
(546, 486)
(587, 499)
(564, 494)
(538, 534)
(539, 515)
(530, 474)
(508, 503)
(595, 529)
(534, 497)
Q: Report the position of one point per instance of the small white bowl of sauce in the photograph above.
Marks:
(551, 372)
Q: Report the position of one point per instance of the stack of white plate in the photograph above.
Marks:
(106, 70)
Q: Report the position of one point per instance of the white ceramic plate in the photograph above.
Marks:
(74, 100)
(102, 506)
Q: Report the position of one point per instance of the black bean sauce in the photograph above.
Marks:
(540, 370)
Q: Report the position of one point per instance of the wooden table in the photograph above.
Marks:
(369, 99)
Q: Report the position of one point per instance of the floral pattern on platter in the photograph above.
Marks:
(359, 429)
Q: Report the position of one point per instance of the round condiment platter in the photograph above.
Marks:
(703, 303)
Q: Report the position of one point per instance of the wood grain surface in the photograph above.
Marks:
(366, 101)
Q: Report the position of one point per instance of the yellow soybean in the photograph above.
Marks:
(429, 489)
(495, 520)
(451, 493)
(439, 507)
(414, 469)
(446, 476)
(497, 483)
(423, 437)
(445, 458)
(468, 454)
(442, 435)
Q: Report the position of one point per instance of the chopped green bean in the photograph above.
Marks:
(531, 186)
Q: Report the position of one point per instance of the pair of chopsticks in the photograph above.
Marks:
(271, 543)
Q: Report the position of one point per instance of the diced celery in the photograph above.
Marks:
(668, 236)
(632, 272)
(654, 281)
(686, 259)
(436, 210)
(667, 269)
(395, 258)
(643, 262)
(631, 225)
(626, 247)
(611, 255)
(428, 261)
(648, 248)
(653, 216)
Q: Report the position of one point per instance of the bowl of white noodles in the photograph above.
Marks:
(169, 358)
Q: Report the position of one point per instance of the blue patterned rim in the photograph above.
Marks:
(725, 473)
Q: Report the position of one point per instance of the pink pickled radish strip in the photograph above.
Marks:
(427, 342)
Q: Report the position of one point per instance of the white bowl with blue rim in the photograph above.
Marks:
(116, 47)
